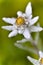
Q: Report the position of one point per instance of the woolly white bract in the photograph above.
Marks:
(23, 24)
(37, 62)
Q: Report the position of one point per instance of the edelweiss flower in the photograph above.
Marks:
(37, 62)
(23, 24)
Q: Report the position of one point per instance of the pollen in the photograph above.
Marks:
(41, 60)
(20, 21)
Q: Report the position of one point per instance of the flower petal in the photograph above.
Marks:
(35, 29)
(8, 27)
(28, 9)
(34, 61)
(22, 41)
(9, 20)
(30, 17)
(33, 21)
(26, 34)
(13, 33)
(20, 31)
(19, 13)
(41, 54)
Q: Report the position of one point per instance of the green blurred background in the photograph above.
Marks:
(9, 54)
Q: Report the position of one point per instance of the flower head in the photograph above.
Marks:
(37, 62)
(23, 24)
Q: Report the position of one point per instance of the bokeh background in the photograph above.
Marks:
(10, 54)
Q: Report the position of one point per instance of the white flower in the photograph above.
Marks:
(37, 62)
(23, 24)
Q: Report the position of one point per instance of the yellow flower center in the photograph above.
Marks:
(41, 60)
(20, 21)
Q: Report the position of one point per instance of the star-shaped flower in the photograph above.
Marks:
(37, 62)
(23, 24)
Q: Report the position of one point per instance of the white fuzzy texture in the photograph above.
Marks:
(34, 61)
(26, 28)
(28, 10)
(13, 33)
(41, 54)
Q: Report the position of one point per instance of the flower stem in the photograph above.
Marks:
(35, 46)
